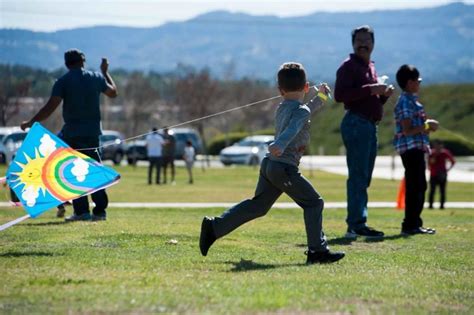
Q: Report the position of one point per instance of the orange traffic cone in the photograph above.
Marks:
(401, 195)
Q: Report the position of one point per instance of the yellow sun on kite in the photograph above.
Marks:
(31, 172)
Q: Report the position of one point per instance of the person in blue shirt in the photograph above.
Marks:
(279, 171)
(79, 91)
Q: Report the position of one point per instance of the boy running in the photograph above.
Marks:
(279, 171)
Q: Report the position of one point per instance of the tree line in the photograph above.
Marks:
(152, 99)
(148, 99)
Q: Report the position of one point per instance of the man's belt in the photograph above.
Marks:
(371, 119)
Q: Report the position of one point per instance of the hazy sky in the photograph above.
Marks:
(51, 15)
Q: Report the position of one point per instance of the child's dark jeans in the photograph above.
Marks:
(276, 178)
(414, 163)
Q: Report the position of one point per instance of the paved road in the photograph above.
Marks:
(388, 167)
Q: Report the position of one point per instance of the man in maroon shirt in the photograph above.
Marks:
(438, 171)
(363, 97)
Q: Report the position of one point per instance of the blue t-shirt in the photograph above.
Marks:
(80, 90)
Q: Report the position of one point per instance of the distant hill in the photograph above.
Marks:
(438, 40)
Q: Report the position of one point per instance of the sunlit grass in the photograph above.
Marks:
(131, 263)
(128, 264)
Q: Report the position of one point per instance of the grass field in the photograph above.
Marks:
(237, 183)
(129, 264)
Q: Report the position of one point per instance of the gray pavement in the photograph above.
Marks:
(386, 167)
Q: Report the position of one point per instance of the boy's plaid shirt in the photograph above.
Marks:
(408, 107)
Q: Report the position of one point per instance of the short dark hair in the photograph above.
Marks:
(291, 77)
(405, 73)
(73, 57)
(363, 29)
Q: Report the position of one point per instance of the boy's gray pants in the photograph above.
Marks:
(276, 178)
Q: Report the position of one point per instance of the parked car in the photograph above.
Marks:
(250, 150)
(182, 135)
(11, 141)
(4, 131)
(115, 148)
(136, 150)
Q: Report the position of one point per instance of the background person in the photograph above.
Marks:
(439, 172)
(169, 150)
(79, 90)
(363, 98)
(188, 157)
(154, 146)
(412, 143)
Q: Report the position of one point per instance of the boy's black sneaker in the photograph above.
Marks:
(207, 237)
(366, 231)
(419, 230)
(323, 257)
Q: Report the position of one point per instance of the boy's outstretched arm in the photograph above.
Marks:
(322, 93)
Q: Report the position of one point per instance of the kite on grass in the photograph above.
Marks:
(46, 172)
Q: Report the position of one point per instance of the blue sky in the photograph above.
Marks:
(51, 15)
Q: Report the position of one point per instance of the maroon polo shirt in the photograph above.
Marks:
(351, 88)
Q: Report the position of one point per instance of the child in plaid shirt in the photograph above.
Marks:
(412, 143)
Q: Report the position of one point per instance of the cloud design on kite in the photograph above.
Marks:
(47, 146)
(30, 194)
(80, 169)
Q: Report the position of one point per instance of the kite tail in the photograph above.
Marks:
(12, 223)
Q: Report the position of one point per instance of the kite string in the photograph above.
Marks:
(184, 123)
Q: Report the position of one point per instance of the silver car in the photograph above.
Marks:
(249, 151)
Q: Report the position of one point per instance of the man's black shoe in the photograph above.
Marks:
(419, 230)
(366, 231)
(207, 237)
(323, 257)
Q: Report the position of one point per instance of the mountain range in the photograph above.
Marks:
(439, 41)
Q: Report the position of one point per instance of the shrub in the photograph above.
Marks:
(457, 144)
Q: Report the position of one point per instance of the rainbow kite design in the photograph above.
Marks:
(47, 172)
(61, 186)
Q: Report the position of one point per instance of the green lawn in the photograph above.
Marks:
(128, 264)
(236, 183)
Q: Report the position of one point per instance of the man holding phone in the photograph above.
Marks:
(79, 90)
